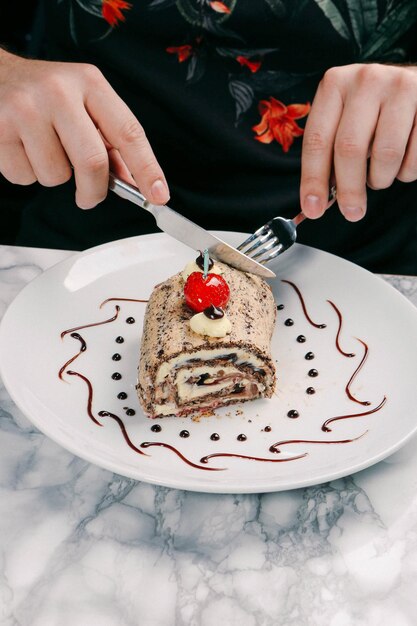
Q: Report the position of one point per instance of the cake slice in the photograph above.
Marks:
(182, 372)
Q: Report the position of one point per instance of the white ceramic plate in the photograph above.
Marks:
(69, 295)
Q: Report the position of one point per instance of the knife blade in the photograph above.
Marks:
(185, 231)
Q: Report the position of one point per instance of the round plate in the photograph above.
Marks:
(363, 316)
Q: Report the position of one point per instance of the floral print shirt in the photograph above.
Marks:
(223, 90)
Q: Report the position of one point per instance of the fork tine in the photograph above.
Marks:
(274, 253)
(261, 231)
(266, 248)
(263, 239)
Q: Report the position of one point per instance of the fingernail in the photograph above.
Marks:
(353, 214)
(312, 206)
(159, 192)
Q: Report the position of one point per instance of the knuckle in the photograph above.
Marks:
(386, 154)
(55, 84)
(149, 170)
(314, 142)
(404, 81)
(91, 73)
(132, 132)
(369, 73)
(348, 147)
(331, 77)
(96, 163)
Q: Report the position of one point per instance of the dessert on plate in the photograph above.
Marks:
(206, 341)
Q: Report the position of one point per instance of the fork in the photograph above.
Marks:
(276, 236)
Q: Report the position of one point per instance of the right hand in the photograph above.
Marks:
(54, 115)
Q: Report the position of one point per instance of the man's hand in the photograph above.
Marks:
(359, 111)
(54, 115)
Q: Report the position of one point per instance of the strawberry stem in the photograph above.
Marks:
(206, 263)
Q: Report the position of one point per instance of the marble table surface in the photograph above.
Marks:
(80, 546)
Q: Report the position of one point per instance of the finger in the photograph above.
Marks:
(317, 151)
(123, 131)
(14, 164)
(46, 154)
(87, 153)
(390, 142)
(408, 169)
(353, 137)
(119, 167)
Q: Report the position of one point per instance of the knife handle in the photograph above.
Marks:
(129, 192)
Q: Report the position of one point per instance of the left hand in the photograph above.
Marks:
(359, 111)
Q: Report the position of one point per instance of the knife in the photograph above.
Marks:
(184, 230)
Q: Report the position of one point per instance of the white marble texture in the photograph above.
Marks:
(80, 546)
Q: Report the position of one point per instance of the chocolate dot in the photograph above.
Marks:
(213, 312)
(241, 437)
(130, 320)
(293, 413)
(280, 307)
(184, 434)
(289, 322)
(116, 376)
(116, 357)
(215, 437)
(310, 390)
(309, 356)
(313, 373)
(267, 429)
(156, 428)
(119, 339)
(301, 339)
(122, 395)
(130, 412)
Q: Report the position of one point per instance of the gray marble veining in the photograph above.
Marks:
(80, 546)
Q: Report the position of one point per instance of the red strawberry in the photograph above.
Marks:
(201, 292)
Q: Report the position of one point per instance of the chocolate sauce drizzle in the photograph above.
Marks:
(121, 300)
(275, 446)
(303, 304)
(148, 444)
(352, 378)
(90, 395)
(83, 348)
(117, 419)
(111, 319)
(325, 427)
(339, 315)
(205, 459)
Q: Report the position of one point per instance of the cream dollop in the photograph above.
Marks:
(193, 267)
(202, 325)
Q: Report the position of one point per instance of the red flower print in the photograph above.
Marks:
(219, 7)
(111, 10)
(278, 122)
(252, 65)
(183, 52)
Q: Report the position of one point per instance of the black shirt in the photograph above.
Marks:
(223, 90)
